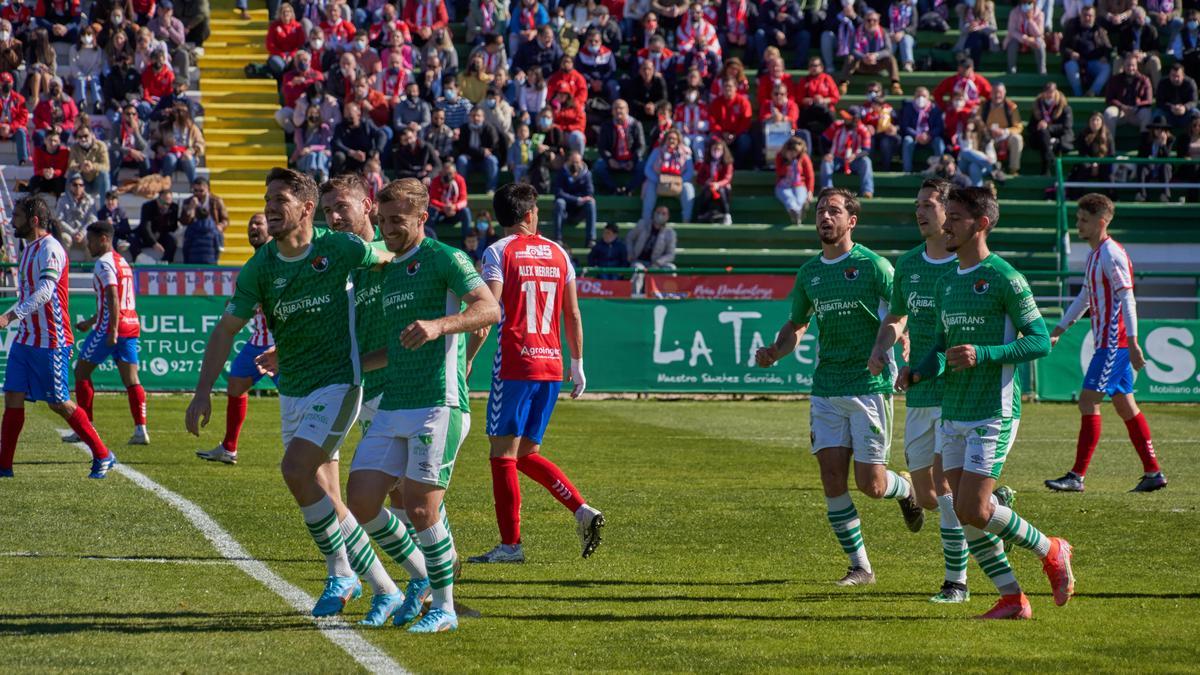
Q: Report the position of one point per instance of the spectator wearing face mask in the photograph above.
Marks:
(89, 159)
(598, 65)
(849, 152)
(479, 148)
(669, 172)
(498, 113)
(921, 124)
(575, 198)
(87, 62)
(456, 107)
(1026, 33)
(76, 209)
(14, 118)
(714, 176)
(412, 158)
(296, 82)
(448, 200)
(12, 55)
(55, 111)
(313, 141)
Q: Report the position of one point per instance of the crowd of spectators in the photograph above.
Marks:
(96, 91)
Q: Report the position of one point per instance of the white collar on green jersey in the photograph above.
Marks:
(938, 261)
(970, 269)
(297, 258)
(840, 258)
(409, 253)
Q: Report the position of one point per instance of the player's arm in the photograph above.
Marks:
(792, 330)
(112, 302)
(890, 331)
(375, 360)
(220, 342)
(1129, 313)
(42, 293)
(1078, 306)
(482, 310)
(574, 328)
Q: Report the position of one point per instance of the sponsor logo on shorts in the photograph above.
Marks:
(426, 466)
(980, 431)
(426, 439)
(978, 459)
(875, 430)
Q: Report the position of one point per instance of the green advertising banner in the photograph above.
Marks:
(174, 334)
(1172, 350)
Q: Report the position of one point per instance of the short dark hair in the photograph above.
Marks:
(200, 179)
(940, 186)
(966, 62)
(112, 194)
(300, 184)
(101, 228)
(979, 202)
(1097, 205)
(849, 199)
(512, 202)
(348, 182)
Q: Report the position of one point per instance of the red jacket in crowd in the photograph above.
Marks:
(714, 176)
(821, 85)
(43, 114)
(572, 82)
(977, 90)
(438, 189)
(155, 85)
(766, 88)
(414, 15)
(43, 160)
(804, 171)
(283, 39)
(296, 83)
(791, 112)
(13, 113)
(570, 118)
(730, 116)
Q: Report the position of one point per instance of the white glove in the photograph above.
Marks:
(578, 378)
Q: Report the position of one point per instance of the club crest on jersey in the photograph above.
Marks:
(981, 286)
(851, 273)
(413, 267)
(320, 263)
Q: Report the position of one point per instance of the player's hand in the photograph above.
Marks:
(1136, 358)
(577, 377)
(877, 362)
(419, 332)
(1054, 335)
(267, 362)
(906, 378)
(198, 412)
(765, 357)
(4, 321)
(961, 357)
(111, 339)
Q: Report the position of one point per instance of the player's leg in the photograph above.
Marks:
(52, 383)
(1090, 398)
(243, 374)
(13, 422)
(954, 542)
(508, 410)
(127, 366)
(830, 431)
(933, 493)
(85, 391)
(365, 491)
(870, 420)
(424, 488)
(530, 461)
(1139, 435)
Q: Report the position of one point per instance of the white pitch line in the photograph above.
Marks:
(334, 629)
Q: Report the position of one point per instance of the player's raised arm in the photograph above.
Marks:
(574, 326)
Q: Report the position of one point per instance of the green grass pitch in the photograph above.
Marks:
(717, 555)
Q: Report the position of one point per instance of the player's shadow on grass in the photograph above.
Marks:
(150, 622)
(654, 618)
(590, 583)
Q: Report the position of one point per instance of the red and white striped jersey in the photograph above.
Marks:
(50, 324)
(535, 272)
(259, 335)
(1108, 270)
(112, 270)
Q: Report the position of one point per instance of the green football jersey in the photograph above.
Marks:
(985, 305)
(912, 295)
(846, 296)
(368, 316)
(307, 303)
(427, 283)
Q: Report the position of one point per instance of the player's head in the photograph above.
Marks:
(515, 206)
(837, 214)
(1095, 211)
(291, 200)
(31, 218)
(931, 206)
(346, 203)
(256, 230)
(99, 238)
(403, 210)
(971, 212)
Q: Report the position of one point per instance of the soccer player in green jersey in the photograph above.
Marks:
(912, 309)
(301, 279)
(982, 306)
(846, 290)
(432, 296)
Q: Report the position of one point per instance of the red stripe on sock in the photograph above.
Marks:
(506, 488)
(1089, 437)
(235, 415)
(1139, 435)
(552, 478)
(137, 404)
(85, 394)
(82, 427)
(10, 431)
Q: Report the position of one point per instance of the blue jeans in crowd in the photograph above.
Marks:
(687, 200)
(860, 167)
(87, 93)
(1099, 69)
(116, 159)
(170, 163)
(20, 138)
(905, 49)
(792, 198)
(489, 165)
(98, 186)
(908, 147)
(975, 164)
(315, 163)
(565, 214)
(463, 218)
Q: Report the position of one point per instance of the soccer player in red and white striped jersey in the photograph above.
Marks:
(39, 358)
(535, 282)
(114, 327)
(1108, 293)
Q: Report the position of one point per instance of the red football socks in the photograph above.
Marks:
(85, 393)
(1139, 435)
(507, 491)
(10, 431)
(552, 478)
(1089, 437)
(83, 428)
(235, 415)
(137, 404)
